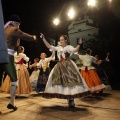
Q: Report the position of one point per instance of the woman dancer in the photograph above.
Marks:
(89, 74)
(99, 65)
(65, 80)
(44, 71)
(35, 73)
(24, 85)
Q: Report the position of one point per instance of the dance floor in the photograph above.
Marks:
(105, 106)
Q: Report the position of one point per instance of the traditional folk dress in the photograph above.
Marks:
(65, 80)
(24, 85)
(44, 73)
(101, 72)
(89, 74)
(34, 75)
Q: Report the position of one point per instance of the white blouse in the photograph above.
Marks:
(20, 56)
(87, 60)
(62, 50)
(43, 63)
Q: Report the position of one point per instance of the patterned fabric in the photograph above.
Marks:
(64, 74)
(43, 74)
(62, 96)
(34, 75)
(43, 78)
(64, 80)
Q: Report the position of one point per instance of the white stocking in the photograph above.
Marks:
(13, 92)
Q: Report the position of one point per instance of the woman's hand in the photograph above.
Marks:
(42, 36)
(77, 54)
(80, 41)
(35, 37)
(108, 54)
(45, 41)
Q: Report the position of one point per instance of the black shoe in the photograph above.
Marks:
(9, 106)
(71, 104)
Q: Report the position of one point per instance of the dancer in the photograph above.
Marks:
(65, 80)
(24, 85)
(100, 71)
(35, 73)
(44, 71)
(13, 35)
(89, 74)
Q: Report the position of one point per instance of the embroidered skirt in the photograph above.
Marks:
(66, 82)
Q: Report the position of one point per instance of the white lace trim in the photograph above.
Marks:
(102, 86)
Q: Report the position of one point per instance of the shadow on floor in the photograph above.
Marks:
(94, 98)
(36, 95)
(19, 97)
(6, 113)
(64, 112)
(98, 107)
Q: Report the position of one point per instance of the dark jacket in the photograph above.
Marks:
(14, 34)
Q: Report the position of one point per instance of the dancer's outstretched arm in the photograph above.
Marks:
(44, 40)
(78, 45)
(107, 57)
(53, 54)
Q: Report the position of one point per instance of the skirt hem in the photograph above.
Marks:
(62, 96)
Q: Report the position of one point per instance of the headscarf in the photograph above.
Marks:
(9, 23)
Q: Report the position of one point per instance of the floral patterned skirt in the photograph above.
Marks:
(42, 79)
(66, 82)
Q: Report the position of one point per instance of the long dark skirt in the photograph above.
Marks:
(102, 74)
(42, 79)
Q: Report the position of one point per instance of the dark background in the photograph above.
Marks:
(37, 17)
